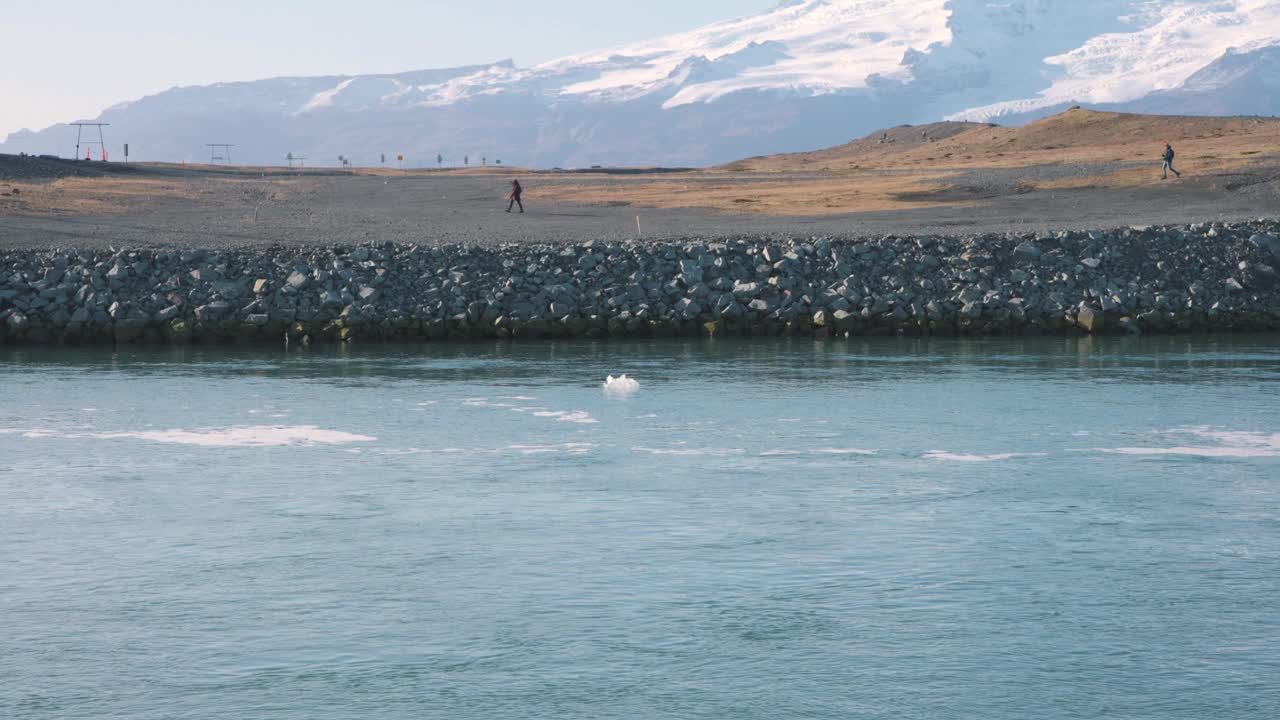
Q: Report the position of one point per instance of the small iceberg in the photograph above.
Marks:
(621, 384)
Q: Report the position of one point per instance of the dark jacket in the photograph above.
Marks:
(1168, 154)
(516, 190)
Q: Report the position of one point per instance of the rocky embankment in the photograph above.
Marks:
(1211, 277)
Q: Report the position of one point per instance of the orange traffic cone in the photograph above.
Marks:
(88, 153)
(104, 153)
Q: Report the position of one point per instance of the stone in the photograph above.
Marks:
(261, 286)
(297, 280)
(1262, 277)
(1027, 252)
(1089, 319)
(1129, 325)
(1269, 243)
(1091, 263)
(168, 313)
(212, 311)
(17, 323)
(258, 319)
(1232, 285)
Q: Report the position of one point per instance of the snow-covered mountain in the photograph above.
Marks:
(808, 74)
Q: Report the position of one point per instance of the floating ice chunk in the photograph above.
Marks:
(621, 384)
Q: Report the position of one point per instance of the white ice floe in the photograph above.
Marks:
(961, 457)
(621, 384)
(1227, 444)
(245, 436)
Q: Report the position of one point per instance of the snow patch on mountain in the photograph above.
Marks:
(1174, 40)
(818, 46)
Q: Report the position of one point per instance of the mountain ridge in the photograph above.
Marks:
(804, 75)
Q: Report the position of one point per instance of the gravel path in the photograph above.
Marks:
(337, 208)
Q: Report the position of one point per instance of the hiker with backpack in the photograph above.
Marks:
(1168, 163)
(516, 192)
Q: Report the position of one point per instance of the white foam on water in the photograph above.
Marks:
(519, 398)
(690, 452)
(244, 436)
(817, 451)
(580, 417)
(428, 403)
(566, 448)
(1229, 444)
(650, 416)
(571, 448)
(961, 457)
(486, 403)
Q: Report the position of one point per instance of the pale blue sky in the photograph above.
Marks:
(68, 60)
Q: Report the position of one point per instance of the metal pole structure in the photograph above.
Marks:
(101, 143)
(214, 157)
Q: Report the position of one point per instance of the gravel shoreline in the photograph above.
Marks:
(1190, 278)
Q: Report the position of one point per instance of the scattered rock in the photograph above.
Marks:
(1167, 279)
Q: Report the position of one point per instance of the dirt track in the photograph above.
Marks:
(960, 180)
(224, 212)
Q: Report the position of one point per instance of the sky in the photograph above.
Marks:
(69, 60)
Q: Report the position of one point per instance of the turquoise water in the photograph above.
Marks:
(893, 529)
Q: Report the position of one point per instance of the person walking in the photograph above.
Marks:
(516, 192)
(1168, 163)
